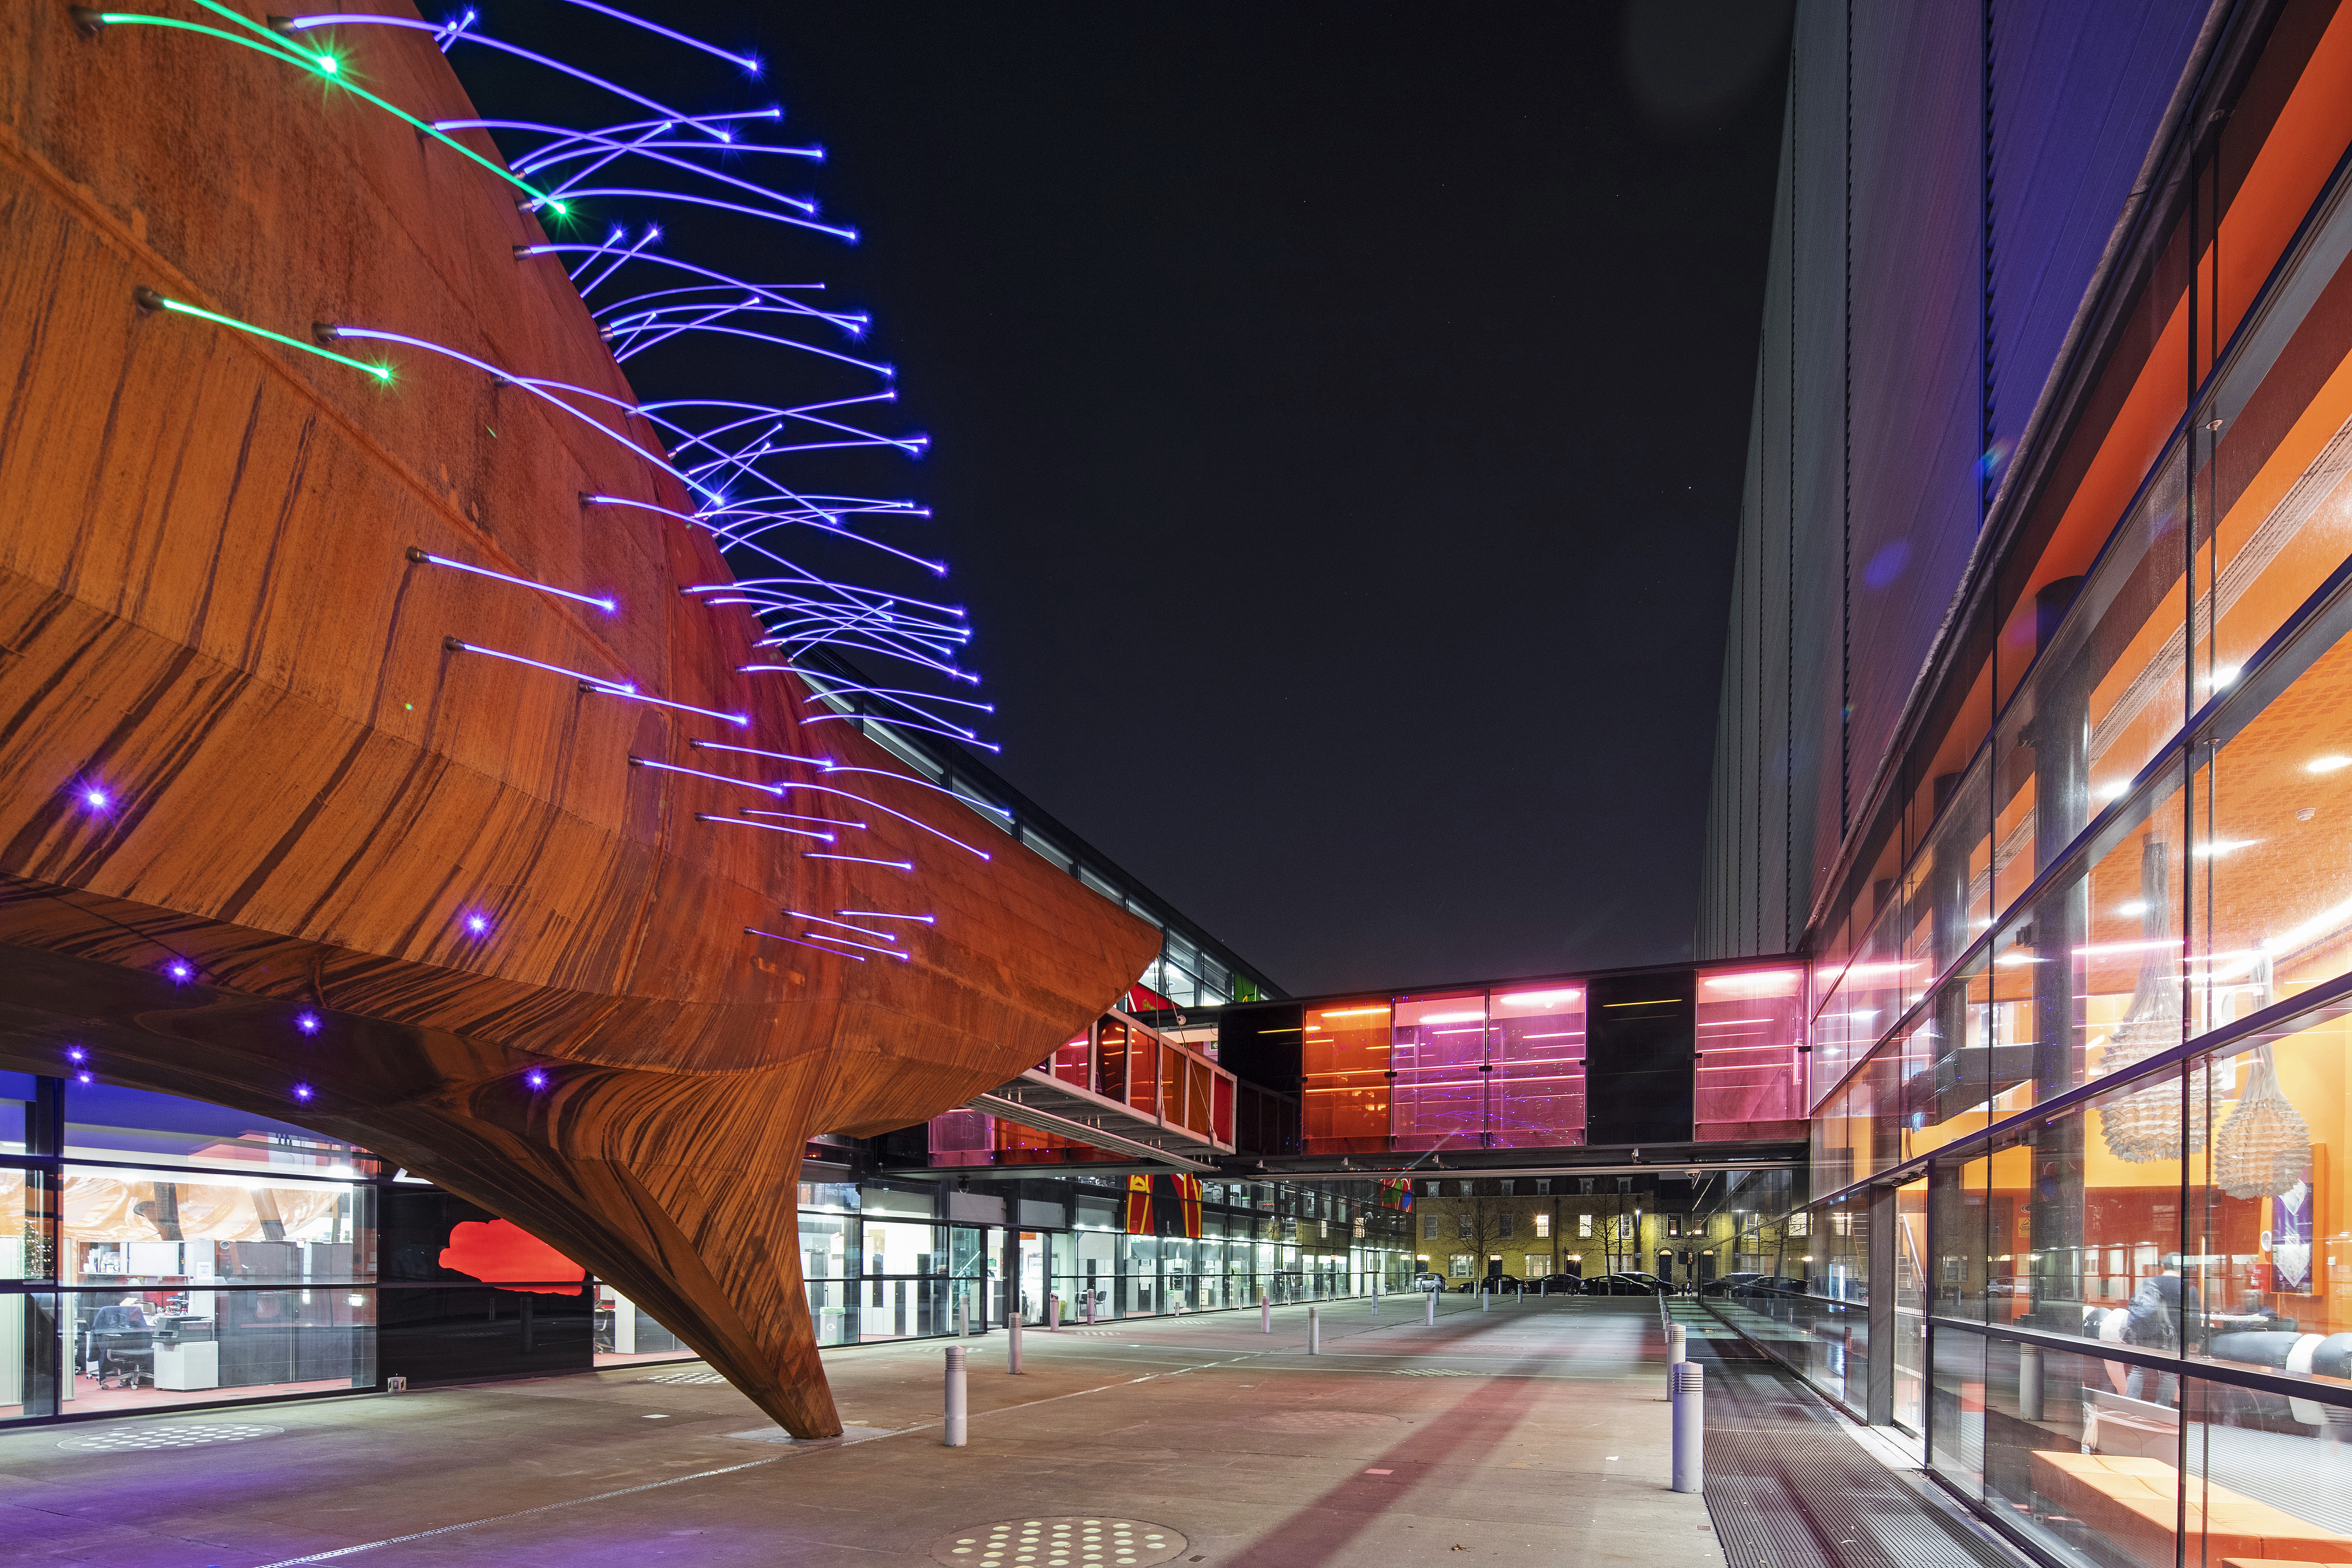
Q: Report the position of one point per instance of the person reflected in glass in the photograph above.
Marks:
(2153, 1321)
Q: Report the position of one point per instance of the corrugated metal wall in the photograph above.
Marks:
(1950, 173)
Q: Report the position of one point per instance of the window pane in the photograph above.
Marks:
(2270, 1202)
(2272, 853)
(2104, 696)
(1749, 1025)
(1539, 1082)
(1440, 1058)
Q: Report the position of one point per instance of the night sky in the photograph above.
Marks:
(1339, 416)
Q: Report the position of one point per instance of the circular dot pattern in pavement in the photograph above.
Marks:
(133, 1437)
(1060, 1541)
(1310, 1421)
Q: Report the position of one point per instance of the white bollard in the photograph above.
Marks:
(1314, 1330)
(1485, 1299)
(1376, 1301)
(1012, 1344)
(1090, 1303)
(1431, 1316)
(963, 1315)
(1690, 1428)
(1677, 1351)
(1053, 1314)
(2029, 1383)
(1265, 1314)
(955, 1421)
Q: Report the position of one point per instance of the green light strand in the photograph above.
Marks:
(322, 65)
(381, 372)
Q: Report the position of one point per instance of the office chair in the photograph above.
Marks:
(127, 1355)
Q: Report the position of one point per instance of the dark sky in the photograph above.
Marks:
(1339, 416)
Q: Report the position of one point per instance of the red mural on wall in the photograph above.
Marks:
(499, 1253)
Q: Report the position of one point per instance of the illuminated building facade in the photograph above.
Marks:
(2035, 740)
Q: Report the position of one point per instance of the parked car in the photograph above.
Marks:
(1559, 1284)
(1425, 1280)
(1723, 1284)
(1628, 1282)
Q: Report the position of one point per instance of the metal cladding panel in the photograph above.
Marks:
(1769, 579)
(2078, 90)
(1816, 590)
(1918, 367)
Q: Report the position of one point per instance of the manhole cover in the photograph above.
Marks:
(1060, 1540)
(162, 1437)
(1323, 1421)
(685, 1377)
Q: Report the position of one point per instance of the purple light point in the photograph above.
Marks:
(181, 970)
(302, 1091)
(307, 1022)
(536, 1079)
(477, 924)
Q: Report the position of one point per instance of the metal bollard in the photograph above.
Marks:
(1485, 1299)
(2029, 1383)
(1314, 1330)
(1053, 1314)
(1091, 1304)
(964, 1316)
(1012, 1344)
(1376, 1301)
(1678, 1353)
(955, 1421)
(1690, 1428)
(1265, 1314)
(1431, 1316)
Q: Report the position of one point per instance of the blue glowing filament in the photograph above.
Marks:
(426, 557)
(796, 942)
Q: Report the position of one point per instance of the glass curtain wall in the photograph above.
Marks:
(157, 1252)
(1503, 1066)
(2084, 1043)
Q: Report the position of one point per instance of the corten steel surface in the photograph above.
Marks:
(207, 607)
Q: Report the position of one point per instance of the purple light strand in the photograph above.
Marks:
(796, 942)
(902, 815)
(887, 915)
(638, 762)
(862, 947)
(426, 556)
(795, 816)
(755, 752)
(769, 826)
(844, 925)
(860, 860)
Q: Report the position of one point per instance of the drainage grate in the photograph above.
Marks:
(1788, 1490)
(1060, 1541)
(137, 1438)
(685, 1377)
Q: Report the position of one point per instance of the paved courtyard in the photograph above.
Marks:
(1533, 1434)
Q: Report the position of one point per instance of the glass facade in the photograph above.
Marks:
(157, 1252)
(2075, 1221)
(1508, 1065)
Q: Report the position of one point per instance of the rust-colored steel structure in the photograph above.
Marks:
(210, 618)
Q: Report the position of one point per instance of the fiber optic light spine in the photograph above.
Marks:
(796, 942)
(149, 300)
(427, 558)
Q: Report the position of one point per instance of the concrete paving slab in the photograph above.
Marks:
(1554, 1448)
